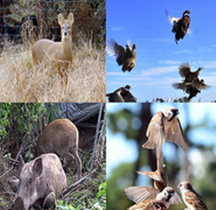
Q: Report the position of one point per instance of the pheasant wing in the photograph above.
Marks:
(184, 70)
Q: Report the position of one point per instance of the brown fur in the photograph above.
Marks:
(57, 54)
(62, 138)
(39, 180)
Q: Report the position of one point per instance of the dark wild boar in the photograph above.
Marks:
(62, 138)
(39, 180)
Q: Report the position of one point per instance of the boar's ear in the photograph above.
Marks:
(37, 167)
(20, 164)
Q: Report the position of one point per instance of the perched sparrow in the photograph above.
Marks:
(169, 197)
(165, 126)
(149, 205)
(122, 94)
(125, 57)
(187, 74)
(180, 25)
(140, 194)
(192, 200)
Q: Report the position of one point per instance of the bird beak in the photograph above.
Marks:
(176, 112)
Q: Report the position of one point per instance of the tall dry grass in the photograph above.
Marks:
(21, 82)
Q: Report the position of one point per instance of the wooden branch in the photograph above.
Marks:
(75, 185)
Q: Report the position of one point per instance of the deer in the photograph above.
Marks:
(57, 54)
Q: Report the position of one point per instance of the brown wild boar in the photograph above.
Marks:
(62, 138)
(39, 181)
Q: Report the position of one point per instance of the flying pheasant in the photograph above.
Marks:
(191, 83)
(180, 25)
(125, 56)
(187, 74)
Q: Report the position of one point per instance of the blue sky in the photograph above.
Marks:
(197, 112)
(158, 56)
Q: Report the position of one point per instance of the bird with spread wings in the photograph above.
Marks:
(191, 83)
(125, 57)
(180, 26)
(163, 126)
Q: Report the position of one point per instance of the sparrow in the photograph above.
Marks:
(149, 205)
(180, 26)
(122, 94)
(125, 56)
(160, 179)
(187, 74)
(160, 175)
(168, 196)
(163, 126)
(191, 198)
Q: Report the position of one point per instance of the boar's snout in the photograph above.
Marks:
(18, 204)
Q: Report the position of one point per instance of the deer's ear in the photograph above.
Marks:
(71, 18)
(60, 19)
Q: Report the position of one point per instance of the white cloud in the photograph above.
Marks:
(209, 65)
(183, 51)
(159, 70)
(169, 62)
(116, 28)
(119, 73)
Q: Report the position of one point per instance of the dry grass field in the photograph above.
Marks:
(21, 82)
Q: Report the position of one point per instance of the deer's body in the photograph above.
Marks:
(57, 54)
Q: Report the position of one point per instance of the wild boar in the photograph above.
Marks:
(39, 181)
(62, 138)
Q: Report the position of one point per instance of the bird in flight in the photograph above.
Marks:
(163, 126)
(180, 26)
(191, 83)
(124, 56)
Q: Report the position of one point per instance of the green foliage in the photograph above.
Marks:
(17, 126)
(21, 9)
(98, 203)
(101, 196)
(24, 115)
(121, 178)
(65, 206)
(160, 100)
(2, 202)
(4, 121)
